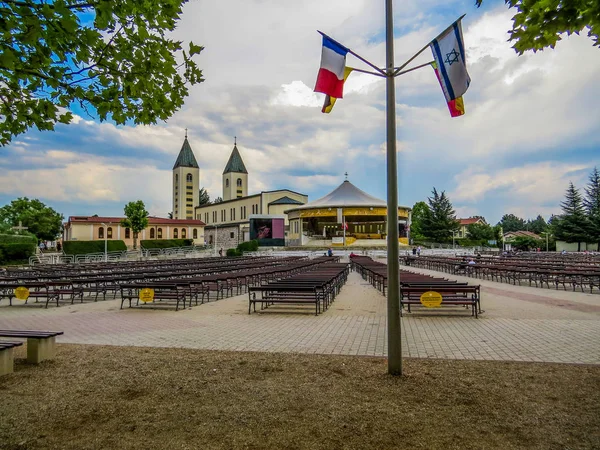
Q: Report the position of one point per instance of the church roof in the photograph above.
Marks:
(186, 156)
(235, 163)
(345, 195)
(286, 201)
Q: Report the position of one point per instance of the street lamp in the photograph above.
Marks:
(105, 241)
(453, 233)
(216, 230)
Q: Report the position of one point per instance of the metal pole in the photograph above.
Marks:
(393, 265)
(105, 241)
(546, 242)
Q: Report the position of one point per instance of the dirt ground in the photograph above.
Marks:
(99, 397)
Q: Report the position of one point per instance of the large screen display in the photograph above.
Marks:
(269, 232)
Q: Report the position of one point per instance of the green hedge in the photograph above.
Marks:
(17, 238)
(250, 246)
(85, 247)
(233, 252)
(16, 251)
(166, 243)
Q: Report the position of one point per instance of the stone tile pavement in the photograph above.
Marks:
(519, 323)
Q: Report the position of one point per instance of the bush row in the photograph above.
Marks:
(250, 246)
(17, 238)
(84, 247)
(16, 251)
(166, 243)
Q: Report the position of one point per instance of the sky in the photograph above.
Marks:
(531, 123)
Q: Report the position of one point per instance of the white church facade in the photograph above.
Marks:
(227, 223)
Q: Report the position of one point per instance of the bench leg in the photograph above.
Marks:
(6, 361)
(40, 349)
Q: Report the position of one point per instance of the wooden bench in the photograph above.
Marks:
(162, 292)
(41, 345)
(451, 296)
(290, 294)
(7, 359)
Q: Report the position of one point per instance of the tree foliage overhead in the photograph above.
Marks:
(136, 218)
(41, 220)
(112, 55)
(439, 220)
(538, 24)
(203, 198)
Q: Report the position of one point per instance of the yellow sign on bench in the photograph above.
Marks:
(147, 295)
(22, 293)
(431, 299)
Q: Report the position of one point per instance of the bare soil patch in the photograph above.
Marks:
(99, 397)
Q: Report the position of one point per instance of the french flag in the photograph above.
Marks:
(330, 80)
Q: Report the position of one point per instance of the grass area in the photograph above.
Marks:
(99, 397)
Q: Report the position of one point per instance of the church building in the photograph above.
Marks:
(227, 223)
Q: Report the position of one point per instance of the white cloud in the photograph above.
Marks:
(260, 64)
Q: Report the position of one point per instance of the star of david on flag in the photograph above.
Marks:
(449, 54)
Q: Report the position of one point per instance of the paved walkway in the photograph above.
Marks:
(519, 323)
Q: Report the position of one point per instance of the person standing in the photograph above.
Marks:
(221, 251)
(419, 250)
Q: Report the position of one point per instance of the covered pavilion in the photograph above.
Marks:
(364, 216)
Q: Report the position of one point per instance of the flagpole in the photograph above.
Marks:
(393, 266)
(369, 63)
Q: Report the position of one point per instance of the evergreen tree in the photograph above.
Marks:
(537, 226)
(573, 225)
(203, 198)
(510, 222)
(439, 220)
(592, 205)
(480, 231)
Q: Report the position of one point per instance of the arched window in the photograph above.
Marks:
(175, 233)
(151, 233)
(127, 233)
(195, 233)
(227, 183)
(183, 236)
(239, 182)
(109, 232)
(160, 233)
(188, 178)
(101, 233)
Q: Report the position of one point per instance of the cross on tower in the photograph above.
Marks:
(235, 140)
(20, 227)
(186, 133)
(346, 175)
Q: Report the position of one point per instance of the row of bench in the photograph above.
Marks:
(414, 285)
(577, 275)
(318, 286)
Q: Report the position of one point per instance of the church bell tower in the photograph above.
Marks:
(235, 176)
(186, 183)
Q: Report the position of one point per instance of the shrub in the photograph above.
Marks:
(233, 252)
(250, 246)
(16, 251)
(166, 243)
(85, 247)
(17, 238)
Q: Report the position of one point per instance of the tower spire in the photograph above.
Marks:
(186, 133)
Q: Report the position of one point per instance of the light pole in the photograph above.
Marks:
(216, 231)
(453, 233)
(105, 241)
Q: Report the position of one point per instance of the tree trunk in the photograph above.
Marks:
(135, 236)
(578, 246)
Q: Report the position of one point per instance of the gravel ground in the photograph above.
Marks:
(102, 397)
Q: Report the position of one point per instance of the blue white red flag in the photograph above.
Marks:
(330, 79)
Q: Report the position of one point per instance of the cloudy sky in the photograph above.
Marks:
(532, 121)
